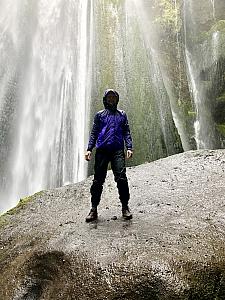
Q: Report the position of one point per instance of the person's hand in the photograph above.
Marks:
(88, 155)
(129, 153)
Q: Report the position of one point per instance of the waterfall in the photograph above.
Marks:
(45, 91)
(141, 12)
(58, 57)
(198, 60)
(215, 45)
(161, 79)
(213, 8)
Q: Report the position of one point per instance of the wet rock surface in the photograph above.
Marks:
(172, 249)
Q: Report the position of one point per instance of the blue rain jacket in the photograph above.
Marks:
(110, 129)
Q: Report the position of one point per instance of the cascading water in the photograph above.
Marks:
(49, 85)
(162, 108)
(163, 86)
(198, 58)
(162, 101)
(45, 92)
(213, 8)
(57, 58)
(125, 60)
(215, 46)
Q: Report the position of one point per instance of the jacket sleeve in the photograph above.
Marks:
(94, 133)
(127, 135)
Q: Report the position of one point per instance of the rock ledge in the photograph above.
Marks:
(172, 249)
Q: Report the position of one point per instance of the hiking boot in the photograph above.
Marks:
(92, 216)
(127, 215)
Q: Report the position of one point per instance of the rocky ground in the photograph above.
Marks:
(172, 249)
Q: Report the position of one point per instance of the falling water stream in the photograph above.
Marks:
(49, 73)
(213, 8)
(199, 58)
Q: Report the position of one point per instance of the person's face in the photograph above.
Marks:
(111, 99)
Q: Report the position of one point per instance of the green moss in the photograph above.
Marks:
(116, 2)
(221, 129)
(20, 205)
(168, 15)
(3, 221)
(192, 113)
(14, 210)
(221, 98)
(218, 26)
(204, 35)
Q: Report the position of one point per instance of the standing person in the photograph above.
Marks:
(110, 131)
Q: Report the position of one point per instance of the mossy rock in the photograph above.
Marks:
(204, 35)
(192, 114)
(221, 129)
(117, 2)
(14, 210)
(221, 98)
(218, 26)
(219, 114)
(22, 203)
(3, 221)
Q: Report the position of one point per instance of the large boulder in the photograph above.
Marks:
(172, 249)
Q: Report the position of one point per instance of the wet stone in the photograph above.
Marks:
(162, 253)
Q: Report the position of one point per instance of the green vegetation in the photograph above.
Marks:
(117, 2)
(171, 49)
(169, 14)
(221, 98)
(20, 205)
(218, 26)
(221, 129)
(192, 114)
(3, 220)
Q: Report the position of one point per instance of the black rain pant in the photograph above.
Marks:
(102, 159)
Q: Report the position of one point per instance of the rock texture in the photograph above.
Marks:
(172, 249)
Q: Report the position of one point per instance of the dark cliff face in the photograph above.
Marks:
(172, 249)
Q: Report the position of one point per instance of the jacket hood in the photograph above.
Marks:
(107, 105)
